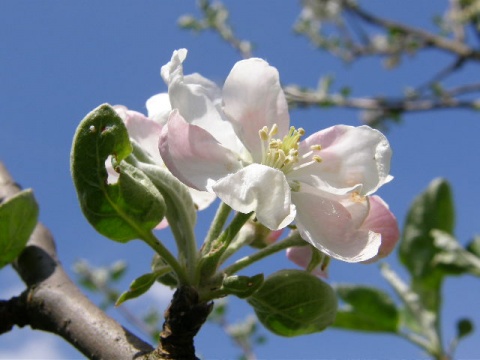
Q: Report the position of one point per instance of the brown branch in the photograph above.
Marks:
(183, 319)
(307, 98)
(452, 46)
(53, 303)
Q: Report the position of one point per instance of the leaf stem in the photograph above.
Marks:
(177, 215)
(166, 255)
(293, 240)
(209, 262)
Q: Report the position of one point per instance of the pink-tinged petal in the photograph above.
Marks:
(193, 155)
(162, 225)
(261, 189)
(353, 158)
(253, 98)
(381, 220)
(158, 108)
(302, 255)
(143, 130)
(330, 227)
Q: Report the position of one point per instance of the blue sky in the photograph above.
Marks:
(60, 59)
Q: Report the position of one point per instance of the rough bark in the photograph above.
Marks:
(53, 303)
(184, 317)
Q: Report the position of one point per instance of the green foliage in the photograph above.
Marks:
(294, 302)
(141, 285)
(121, 211)
(18, 217)
(367, 309)
(432, 210)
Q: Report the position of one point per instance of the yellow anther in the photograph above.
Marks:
(263, 133)
(274, 130)
(316, 147)
(317, 158)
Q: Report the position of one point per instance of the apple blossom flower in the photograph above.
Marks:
(247, 154)
(146, 132)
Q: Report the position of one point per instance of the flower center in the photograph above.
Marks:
(283, 153)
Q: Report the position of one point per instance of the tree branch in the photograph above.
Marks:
(452, 46)
(305, 98)
(53, 303)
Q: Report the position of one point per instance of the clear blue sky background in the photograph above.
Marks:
(60, 59)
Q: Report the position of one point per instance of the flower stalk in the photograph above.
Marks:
(293, 240)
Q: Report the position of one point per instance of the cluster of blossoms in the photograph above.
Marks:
(236, 143)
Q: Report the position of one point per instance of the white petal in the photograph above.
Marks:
(199, 101)
(174, 69)
(253, 98)
(331, 228)
(158, 108)
(261, 189)
(353, 158)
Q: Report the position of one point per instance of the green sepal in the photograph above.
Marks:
(122, 211)
(366, 309)
(141, 285)
(294, 302)
(242, 286)
(18, 217)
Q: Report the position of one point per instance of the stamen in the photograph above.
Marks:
(274, 130)
(283, 153)
(263, 134)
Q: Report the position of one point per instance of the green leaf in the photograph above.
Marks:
(140, 286)
(367, 309)
(122, 211)
(294, 302)
(431, 210)
(18, 217)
